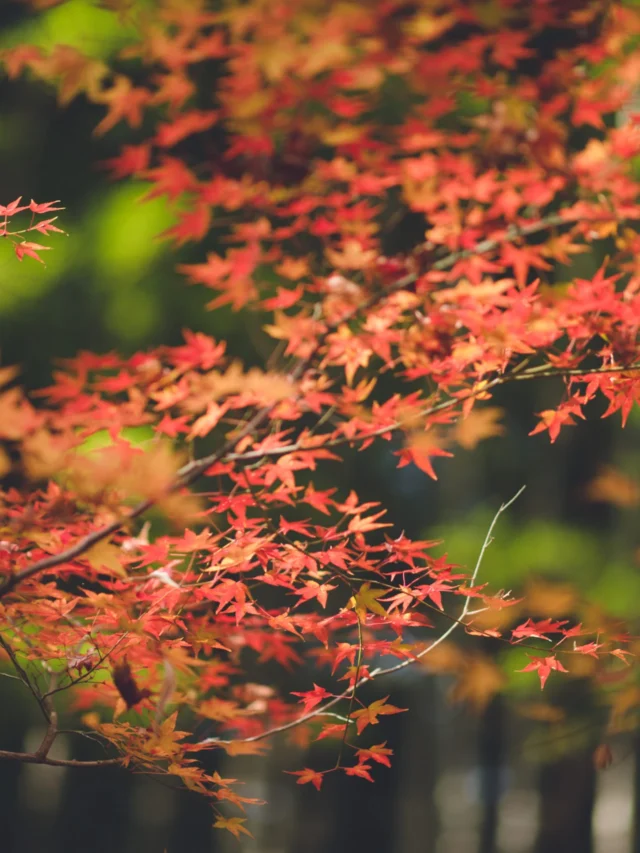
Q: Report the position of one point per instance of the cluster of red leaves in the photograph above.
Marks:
(21, 245)
(326, 125)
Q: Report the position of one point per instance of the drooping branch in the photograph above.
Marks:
(378, 673)
(193, 470)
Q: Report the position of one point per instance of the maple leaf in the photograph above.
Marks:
(378, 752)
(508, 48)
(554, 419)
(589, 112)
(361, 770)
(369, 715)
(313, 589)
(106, 557)
(171, 178)
(12, 208)
(479, 680)
(193, 224)
(590, 649)
(521, 258)
(479, 425)
(132, 160)
(434, 591)
(30, 249)
(366, 600)
(613, 486)
(622, 395)
(21, 56)
(538, 629)
(313, 697)
(124, 102)
(194, 121)
(544, 667)
(422, 447)
(622, 655)
(298, 172)
(234, 825)
(43, 207)
(307, 775)
(76, 73)
(352, 256)
(164, 742)
(45, 226)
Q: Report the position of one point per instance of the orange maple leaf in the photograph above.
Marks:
(234, 825)
(369, 715)
(478, 425)
(307, 775)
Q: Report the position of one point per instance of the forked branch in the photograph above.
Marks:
(378, 673)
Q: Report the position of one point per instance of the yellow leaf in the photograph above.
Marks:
(478, 425)
(550, 599)
(343, 134)
(478, 682)
(250, 106)
(324, 55)
(428, 27)
(444, 659)
(91, 719)
(614, 487)
(218, 709)
(366, 600)
(105, 557)
(164, 743)
(243, 748)
(352, 256)
(233, 824)
(42, 456)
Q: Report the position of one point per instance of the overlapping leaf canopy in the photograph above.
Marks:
(400, 189)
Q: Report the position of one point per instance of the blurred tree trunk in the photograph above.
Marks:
(417, 820)
(635, 846)
(567, 793)
(491, 749)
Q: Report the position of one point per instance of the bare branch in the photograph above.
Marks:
(24, 677)
(35, 758)
(52, 729)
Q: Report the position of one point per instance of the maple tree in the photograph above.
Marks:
(299, 143)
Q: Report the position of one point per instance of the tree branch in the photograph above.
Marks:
(35, 758)
(24, 677)
(192, 471)
(378, 673)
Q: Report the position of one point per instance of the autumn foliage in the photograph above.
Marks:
(399, 189)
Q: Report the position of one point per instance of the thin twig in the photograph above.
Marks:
(377, 673)
(24, 677)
